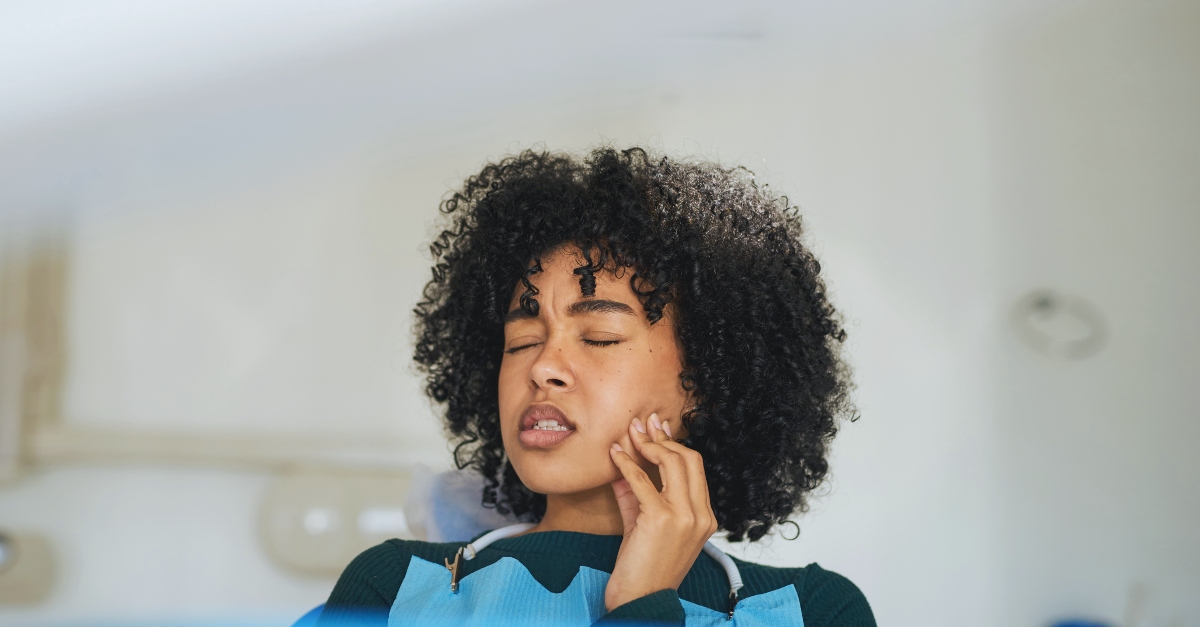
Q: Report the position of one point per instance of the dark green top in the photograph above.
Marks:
(367, 588)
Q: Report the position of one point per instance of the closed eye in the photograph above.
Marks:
(517, 349)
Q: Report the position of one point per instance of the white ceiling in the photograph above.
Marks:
(63, 56)
(93, 89)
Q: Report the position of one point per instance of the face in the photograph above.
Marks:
(583, 368)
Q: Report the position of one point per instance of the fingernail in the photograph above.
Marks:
(617, 447)
(637, 424)
(667, 428)
(654, 421)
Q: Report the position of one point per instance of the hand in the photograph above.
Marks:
(664, 531)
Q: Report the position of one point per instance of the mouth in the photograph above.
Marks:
(544, 426)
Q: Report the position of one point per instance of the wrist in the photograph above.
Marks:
(657, 608)
(616, 598)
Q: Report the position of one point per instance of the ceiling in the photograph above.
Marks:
(94, 87)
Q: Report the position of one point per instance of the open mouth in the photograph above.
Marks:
(543, 426)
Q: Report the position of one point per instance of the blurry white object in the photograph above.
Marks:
(316, 521)
(26, 568)
(1059, 325)
(391, 521)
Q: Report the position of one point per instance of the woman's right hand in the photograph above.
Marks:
(664, 531)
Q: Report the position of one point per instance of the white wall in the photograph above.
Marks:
(245, 257)
(1095, 153)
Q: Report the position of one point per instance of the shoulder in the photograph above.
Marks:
(367, 587)
(374, 577)
(389, 560)
(759, 578)
(828, 598)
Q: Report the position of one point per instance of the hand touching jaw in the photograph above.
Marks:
(665, 527)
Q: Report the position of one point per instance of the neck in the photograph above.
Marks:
(592, 511)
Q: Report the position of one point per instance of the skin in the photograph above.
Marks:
(616, 378)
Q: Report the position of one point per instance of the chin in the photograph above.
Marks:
(552, 479)
(561, 489)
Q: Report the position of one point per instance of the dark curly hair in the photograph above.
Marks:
(760, 340)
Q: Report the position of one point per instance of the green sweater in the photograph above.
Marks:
(367, 588)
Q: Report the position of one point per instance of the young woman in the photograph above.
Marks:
(635, 352)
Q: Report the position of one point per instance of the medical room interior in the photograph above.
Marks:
(214, 227)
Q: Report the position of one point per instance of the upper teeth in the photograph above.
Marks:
(550, 425)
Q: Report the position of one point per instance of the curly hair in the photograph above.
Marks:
(760, 340)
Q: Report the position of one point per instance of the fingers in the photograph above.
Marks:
(692, 460)
(681, 469)
(695, 483)
(637, 479)
(627, 503)
(650, 441)
(658, 433)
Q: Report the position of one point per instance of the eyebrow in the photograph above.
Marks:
(579, 307)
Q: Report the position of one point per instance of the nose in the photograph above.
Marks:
(552, 370)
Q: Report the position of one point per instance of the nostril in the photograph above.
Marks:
(556, 382)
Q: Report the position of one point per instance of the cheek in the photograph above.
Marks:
(664, 366)
(510, 387)
(638, 381)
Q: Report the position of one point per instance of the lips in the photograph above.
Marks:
(534, 413)
(543, 438)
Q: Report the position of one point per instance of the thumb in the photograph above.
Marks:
(627, 502)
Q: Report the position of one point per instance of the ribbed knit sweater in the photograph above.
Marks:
(367, 589)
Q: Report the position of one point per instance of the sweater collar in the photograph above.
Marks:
(562, 543)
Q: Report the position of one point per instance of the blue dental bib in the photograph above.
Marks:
(506, 594)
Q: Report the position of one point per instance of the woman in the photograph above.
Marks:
(634, 352)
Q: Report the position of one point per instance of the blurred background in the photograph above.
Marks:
(213, 227)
